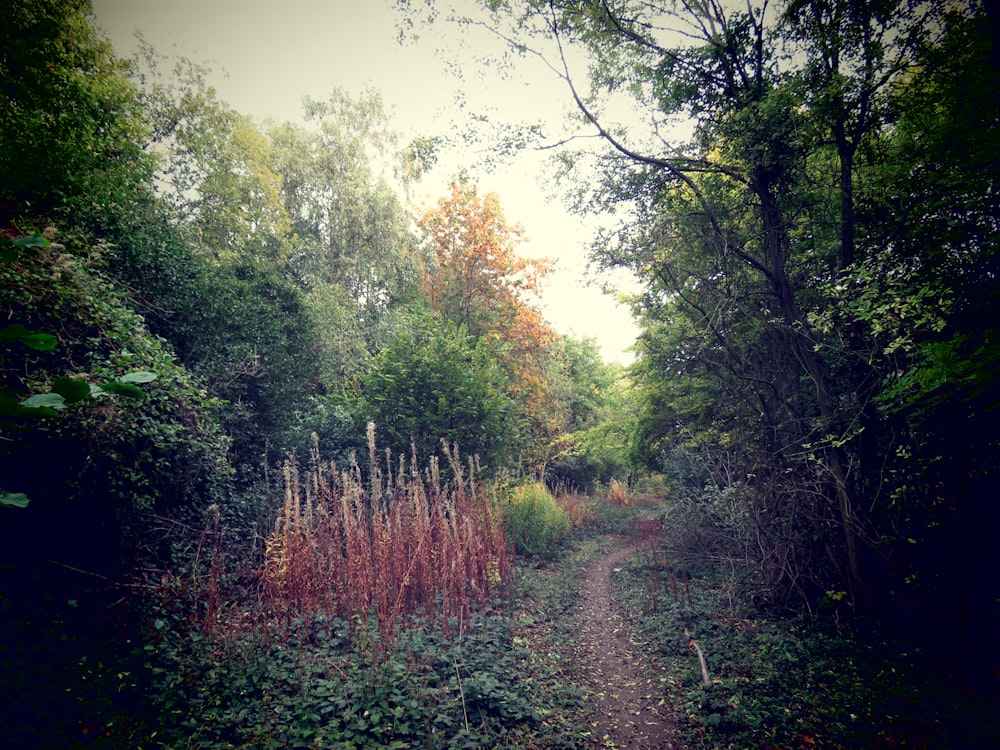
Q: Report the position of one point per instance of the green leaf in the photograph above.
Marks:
(45, 400)
(70, 389)
(13, 332)
(14, 499)
(43, 342)
(31, 412)
(32, 240)
(17, 332)
(143, 376)
(123, 389)
(9, 404)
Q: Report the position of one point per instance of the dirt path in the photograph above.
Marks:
(610, 668)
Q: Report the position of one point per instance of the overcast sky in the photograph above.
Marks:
(269, 54)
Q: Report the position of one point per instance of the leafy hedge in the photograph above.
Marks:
(163, 448)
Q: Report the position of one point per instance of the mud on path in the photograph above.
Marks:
(611, 669)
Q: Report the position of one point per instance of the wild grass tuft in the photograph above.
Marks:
(534, 522)
(618, 494)
(581, 509)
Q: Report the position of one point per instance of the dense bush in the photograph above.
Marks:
(162, 449)
(432, 382)
(94, 468)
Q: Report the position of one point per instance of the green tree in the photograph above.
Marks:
(71, 130)
(434, 382)
(592, 400)
(214, 164)
(771, 211)
(350, 227)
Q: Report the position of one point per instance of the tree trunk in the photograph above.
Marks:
(773, 229)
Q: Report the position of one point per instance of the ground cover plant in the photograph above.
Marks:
(780, 681)
(335, 685)
(381, 619)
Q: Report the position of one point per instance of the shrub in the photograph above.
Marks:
(535, 523)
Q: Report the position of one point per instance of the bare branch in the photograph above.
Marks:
(564, 141)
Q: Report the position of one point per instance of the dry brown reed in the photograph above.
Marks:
(618, 493)
(403, 543)
(581, 513)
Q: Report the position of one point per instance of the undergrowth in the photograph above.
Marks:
(331, 686)
(781, 682)
(382, 619)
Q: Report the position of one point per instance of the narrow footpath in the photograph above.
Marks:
(610, 668)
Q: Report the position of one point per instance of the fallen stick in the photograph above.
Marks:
(706, 681)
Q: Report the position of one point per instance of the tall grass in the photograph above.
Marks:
(618, 494)
(381, 548)
(581, 509)
(535, 523)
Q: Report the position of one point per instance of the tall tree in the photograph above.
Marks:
(71, 131)
(739, 237)
(475, 278)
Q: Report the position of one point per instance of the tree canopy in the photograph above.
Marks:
(812, 242)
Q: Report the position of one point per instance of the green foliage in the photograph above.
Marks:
(285, 254)
(789, 682)
(433, 382)
(350, 227)
(165, 449)
(597, 414)
(819, 261)
(534, 523)
(215, 165)
(65, 391)
(476, 689)
(70, 134)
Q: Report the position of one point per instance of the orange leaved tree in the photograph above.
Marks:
(475, 278)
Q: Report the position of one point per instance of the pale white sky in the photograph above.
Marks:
(269, 54)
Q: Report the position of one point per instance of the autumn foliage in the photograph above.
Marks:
(475, 277)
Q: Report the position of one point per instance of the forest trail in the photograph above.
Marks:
(611, 668)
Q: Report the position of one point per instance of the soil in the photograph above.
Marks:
(624, 693)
